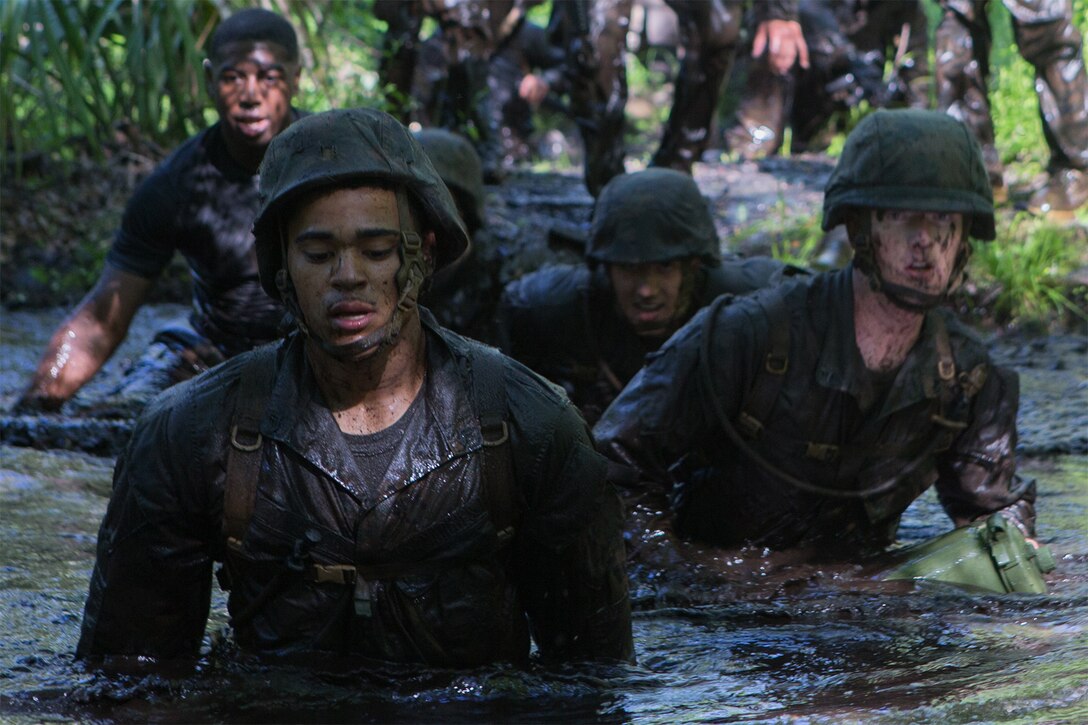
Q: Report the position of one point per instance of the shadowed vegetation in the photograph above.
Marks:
(102, 88)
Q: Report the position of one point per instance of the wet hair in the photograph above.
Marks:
(255, 24)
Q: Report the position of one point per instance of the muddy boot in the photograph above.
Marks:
(761, 117)
(709, 33)
(175, 355)
(1065, 192)
(1048, 39)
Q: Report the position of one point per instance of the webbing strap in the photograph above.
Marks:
(769, 378)
(244, 452)
(489, 395)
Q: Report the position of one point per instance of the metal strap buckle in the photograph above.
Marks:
(822, 451)
(244, 446)
(489, 440)
(333, 573)
(777, 365)
(749, 425)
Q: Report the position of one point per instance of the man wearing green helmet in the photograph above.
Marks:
(374, 485)
(652, 260)
(815, 412)
(462, 296)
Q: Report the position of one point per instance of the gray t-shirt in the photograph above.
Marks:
(374, 452)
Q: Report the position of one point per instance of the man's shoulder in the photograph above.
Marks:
(204, 397)
(967, 344)
(551, 288)
(742, 276)
(526, 392)
(167, 183)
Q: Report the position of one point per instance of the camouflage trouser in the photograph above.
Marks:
(849, 44)
(176, 354)
(1046, 38)
(471, 31)
(709, 32)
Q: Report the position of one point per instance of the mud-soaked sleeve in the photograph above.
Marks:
(570, 553)
(978, 475)
(665, 413)
(150, 590)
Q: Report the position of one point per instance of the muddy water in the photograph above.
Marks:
(825, 647)
(780, 642)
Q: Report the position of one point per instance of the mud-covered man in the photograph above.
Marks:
(200, 202)
(815, 412)
(377, 485)
(463, 296)
(652, 260)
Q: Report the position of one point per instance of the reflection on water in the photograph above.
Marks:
(831, 650)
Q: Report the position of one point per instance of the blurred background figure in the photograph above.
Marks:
(849, 42)
(595, 36)
(1047, 38)
(471, 32)
(463, 295)
(523, 73)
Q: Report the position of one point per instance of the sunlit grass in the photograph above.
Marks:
(1028, 269)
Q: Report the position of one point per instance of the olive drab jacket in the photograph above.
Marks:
(437, 583)
(563, 323)
(948, 417)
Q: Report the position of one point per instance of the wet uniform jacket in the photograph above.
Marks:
(563, 323)
(826, 398)
(463, 599)
(201, 203)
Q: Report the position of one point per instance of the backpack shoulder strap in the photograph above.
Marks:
(769, 376)
(489, 395)
(244, 452)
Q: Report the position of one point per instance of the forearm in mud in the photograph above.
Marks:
(977, 477)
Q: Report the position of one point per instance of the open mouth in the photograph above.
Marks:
(253, 127)
(351, 315)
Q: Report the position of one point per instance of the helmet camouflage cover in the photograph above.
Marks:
(654, 215)
(911, 160)
(340, 149)
(459, 166)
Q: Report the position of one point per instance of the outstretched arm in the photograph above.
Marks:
(86, 339)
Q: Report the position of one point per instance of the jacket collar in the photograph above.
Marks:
(297, 417)
(840, 366)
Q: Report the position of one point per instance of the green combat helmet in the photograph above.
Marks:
(341, 149)
(459, 166)
(655, 215)
(910, 160)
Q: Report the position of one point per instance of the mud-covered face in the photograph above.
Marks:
(342, 259)
(252, 84)
(916, 249)
(650, 296)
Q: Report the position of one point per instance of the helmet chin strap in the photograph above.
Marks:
(413, 271)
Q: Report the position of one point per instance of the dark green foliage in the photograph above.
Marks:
(77, 72)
